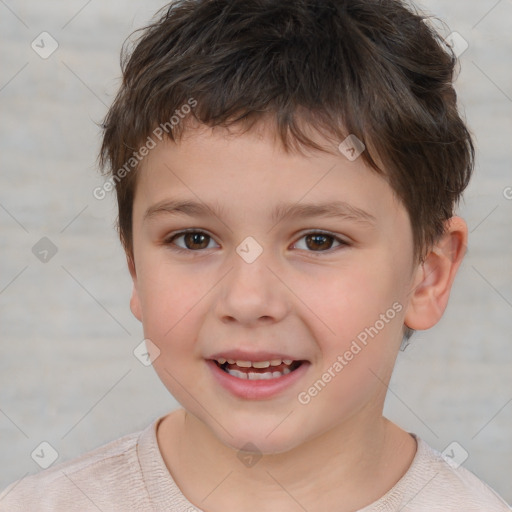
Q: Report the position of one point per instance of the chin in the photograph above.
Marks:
(248, 438)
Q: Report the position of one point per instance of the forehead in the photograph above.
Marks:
(218, 170)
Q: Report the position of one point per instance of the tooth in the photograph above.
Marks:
(231, 361)
(236, 373)
(275, 362)
(260, 376)
(221, 360)
(287, 361)
(261, 364)
(244, 364)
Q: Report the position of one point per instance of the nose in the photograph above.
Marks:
(252, 293)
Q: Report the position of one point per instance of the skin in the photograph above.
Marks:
(336, 452)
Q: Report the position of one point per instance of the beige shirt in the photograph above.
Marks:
(129, 474)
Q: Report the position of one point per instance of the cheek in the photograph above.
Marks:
(170, 306)
(168, 299)
(349, 300)
(357, 360)
(359, 333)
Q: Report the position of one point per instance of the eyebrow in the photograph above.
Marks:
(332, 209)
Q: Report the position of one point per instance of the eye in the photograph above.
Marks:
(194, 241)
(321, 240)
(197, 241)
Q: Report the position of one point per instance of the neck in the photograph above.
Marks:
(345, 468)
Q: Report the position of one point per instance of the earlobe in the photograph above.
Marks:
(434, 277)
(135, 306)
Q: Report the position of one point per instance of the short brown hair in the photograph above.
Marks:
(371, 68)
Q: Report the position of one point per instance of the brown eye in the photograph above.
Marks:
(320, 242)
(192, 241)
(196, 240)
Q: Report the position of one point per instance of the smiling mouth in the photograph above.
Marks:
(258, 370)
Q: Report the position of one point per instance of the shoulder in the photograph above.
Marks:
(82, 483)
(434, 483)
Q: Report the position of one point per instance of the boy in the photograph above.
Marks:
(286, 173)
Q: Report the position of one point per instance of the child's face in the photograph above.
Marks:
(304, 297)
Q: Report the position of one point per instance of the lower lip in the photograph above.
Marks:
(256, 389)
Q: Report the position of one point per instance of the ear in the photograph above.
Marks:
(434, 277)
(135, 306)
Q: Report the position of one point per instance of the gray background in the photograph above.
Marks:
(67, 369)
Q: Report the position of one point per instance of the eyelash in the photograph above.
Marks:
(168, 241)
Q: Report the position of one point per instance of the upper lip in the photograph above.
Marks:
(242, 355)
